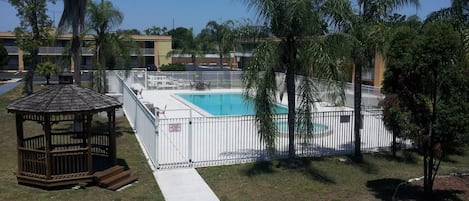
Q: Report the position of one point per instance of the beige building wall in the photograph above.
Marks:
(379, 70)
(20, 60)
(162, 45)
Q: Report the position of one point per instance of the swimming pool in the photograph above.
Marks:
(317, 129)
(224, 104)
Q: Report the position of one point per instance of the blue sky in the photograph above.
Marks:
(142, 14)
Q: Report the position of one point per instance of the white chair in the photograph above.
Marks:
(160, 111)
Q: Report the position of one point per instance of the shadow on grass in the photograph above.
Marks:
(307, 164)
(122, 163)
(101, 127)
(364, 166)
(413, 192)
(383, 188)
(405, 156)
(261, 167)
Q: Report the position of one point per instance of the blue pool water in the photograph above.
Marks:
(222, 104)
(282, 127)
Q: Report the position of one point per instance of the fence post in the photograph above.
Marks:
(157, 140)
(190, 137)
(136, 117)
(146, 79)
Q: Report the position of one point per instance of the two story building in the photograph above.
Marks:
(152, 50)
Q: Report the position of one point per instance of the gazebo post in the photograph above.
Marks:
(73, 160)
(111, 115)
(19, 140)
(89, 119)
(47, 133)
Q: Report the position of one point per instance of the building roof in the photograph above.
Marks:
(64, 98)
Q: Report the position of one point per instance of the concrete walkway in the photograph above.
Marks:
(183, 184)
(8, 86)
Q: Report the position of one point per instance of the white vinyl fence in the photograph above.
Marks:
(209, 141)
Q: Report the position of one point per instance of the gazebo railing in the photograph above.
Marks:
(100, 144)
(64, 163)
(68, 155)
(36, 142)
(32, 162)
(69, 162)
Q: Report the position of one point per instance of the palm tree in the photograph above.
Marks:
(368, 31)
(220, 36)
(110, 48)
(459, 16)
(301, 47)
(74, 15)
(47, 69)
(154, 30)
(102, 19)
(184, 42)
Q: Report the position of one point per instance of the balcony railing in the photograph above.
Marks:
(143, 51)
(12, 49)
(85, 51)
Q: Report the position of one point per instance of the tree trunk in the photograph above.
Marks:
(34, 55)
(291, 91)
(429, 176)
(30, 75)
(395, 133)
(76, 54)
(428, 167)
(221, 61)
(221, 67)
(357, 109)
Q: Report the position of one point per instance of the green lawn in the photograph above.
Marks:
(315, 179)
(128, 153)
(324, 178)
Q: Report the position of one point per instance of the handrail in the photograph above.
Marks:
(31, 150)
(69, 151)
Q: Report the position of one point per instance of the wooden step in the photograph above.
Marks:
(114, 179)
(102, 175)
(122, 183)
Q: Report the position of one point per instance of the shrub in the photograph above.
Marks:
(173, 67)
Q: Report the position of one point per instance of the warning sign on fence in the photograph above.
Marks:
(174, 128)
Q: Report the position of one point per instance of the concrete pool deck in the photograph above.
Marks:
(175, 108)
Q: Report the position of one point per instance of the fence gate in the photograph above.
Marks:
(174, 138)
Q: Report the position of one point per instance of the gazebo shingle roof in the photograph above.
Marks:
(64, 98)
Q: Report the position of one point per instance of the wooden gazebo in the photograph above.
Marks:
(64, 156)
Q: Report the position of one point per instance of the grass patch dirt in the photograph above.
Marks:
(323, 178)
(128, 153)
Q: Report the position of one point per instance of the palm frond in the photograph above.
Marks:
(259, 82)
(444, 13)
(324, 67)
(73, 14)
(339, 14)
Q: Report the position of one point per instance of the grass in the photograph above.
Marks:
(323, 178)
(314, 179)
(128, 153)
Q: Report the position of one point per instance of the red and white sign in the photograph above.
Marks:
(174, 128)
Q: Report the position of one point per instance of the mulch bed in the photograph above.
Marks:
(444, 188)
